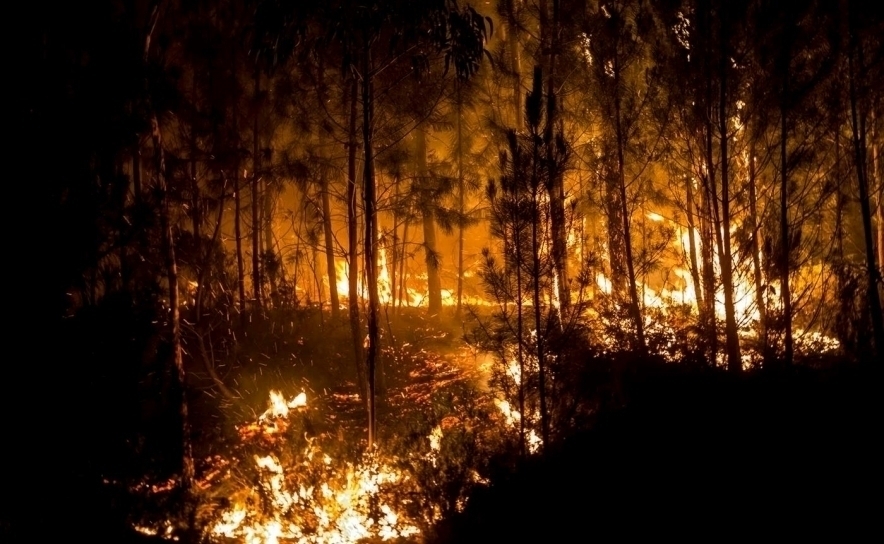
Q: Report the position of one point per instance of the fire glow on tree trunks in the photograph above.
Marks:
(856, 65)
(353, 237)
(256, 219)
(732, 339)
(370, 237)
(434, 283)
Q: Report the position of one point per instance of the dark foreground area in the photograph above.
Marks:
(694, 454)
(702, 456)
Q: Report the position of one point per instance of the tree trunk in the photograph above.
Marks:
(756, 253)
(434, 284)
(692, 247)
(785, 242)
(240, 265)
(329, 249)
(858, 127)
(732, 339)
(269, 242)
(634, 304)
(256, 219)
(460, 202)
(536, 218)
(370, 240)
(187, 466)
(515, 61)
(353, 241)
(555, 182)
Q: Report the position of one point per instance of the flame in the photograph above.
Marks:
(338, 510)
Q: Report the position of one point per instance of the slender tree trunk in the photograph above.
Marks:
(268, 239)
(460, 202)
(785, 242)
(711, 236)
(536, 234)
(756, 252)
(240, 265)
(520, 323)
(555, 182)
(692, 247)
(353, 241)
(403, 276)
(370, 237)
(331, 271)
(187, 466)
(732, 339)
(858, 127)
(434, 283)
(877, 185)
(256, 219)
(196, 217)
(515, 60)
(634, 304)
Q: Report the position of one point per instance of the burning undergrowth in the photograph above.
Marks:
(296, 468)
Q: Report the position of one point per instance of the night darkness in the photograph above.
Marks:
(435, 271)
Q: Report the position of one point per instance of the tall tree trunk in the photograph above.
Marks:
(460, 201)
(876, 183)
(269, 241)
(196, 209)
(187, 466)
(403, 275)
(692, 247)
(536, 217)
(196, 217)
(237, 230)
(434, 283)
(515, 60)
(858, 127)
(634, 304)
(555, 182)
(711, 237)
(329, 246)
(732, 339)
(785, 242)
(353, 240)
(755, 247)
(256, 197)
(370, 237)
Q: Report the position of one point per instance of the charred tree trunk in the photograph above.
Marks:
(732, 339)
(858, 128)
(330, 268)
(370, 237)
(755, 248)
(196, 217)
(692, 246)
(256, 197)
(240, 264)
(555, 185)
(269, 252)
(353, 240)
(461, 201)
(515, 60)
(785, 241)
(634, 304)
(434, 283)
(187, 466)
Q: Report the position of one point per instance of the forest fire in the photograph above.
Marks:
(347, 272)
